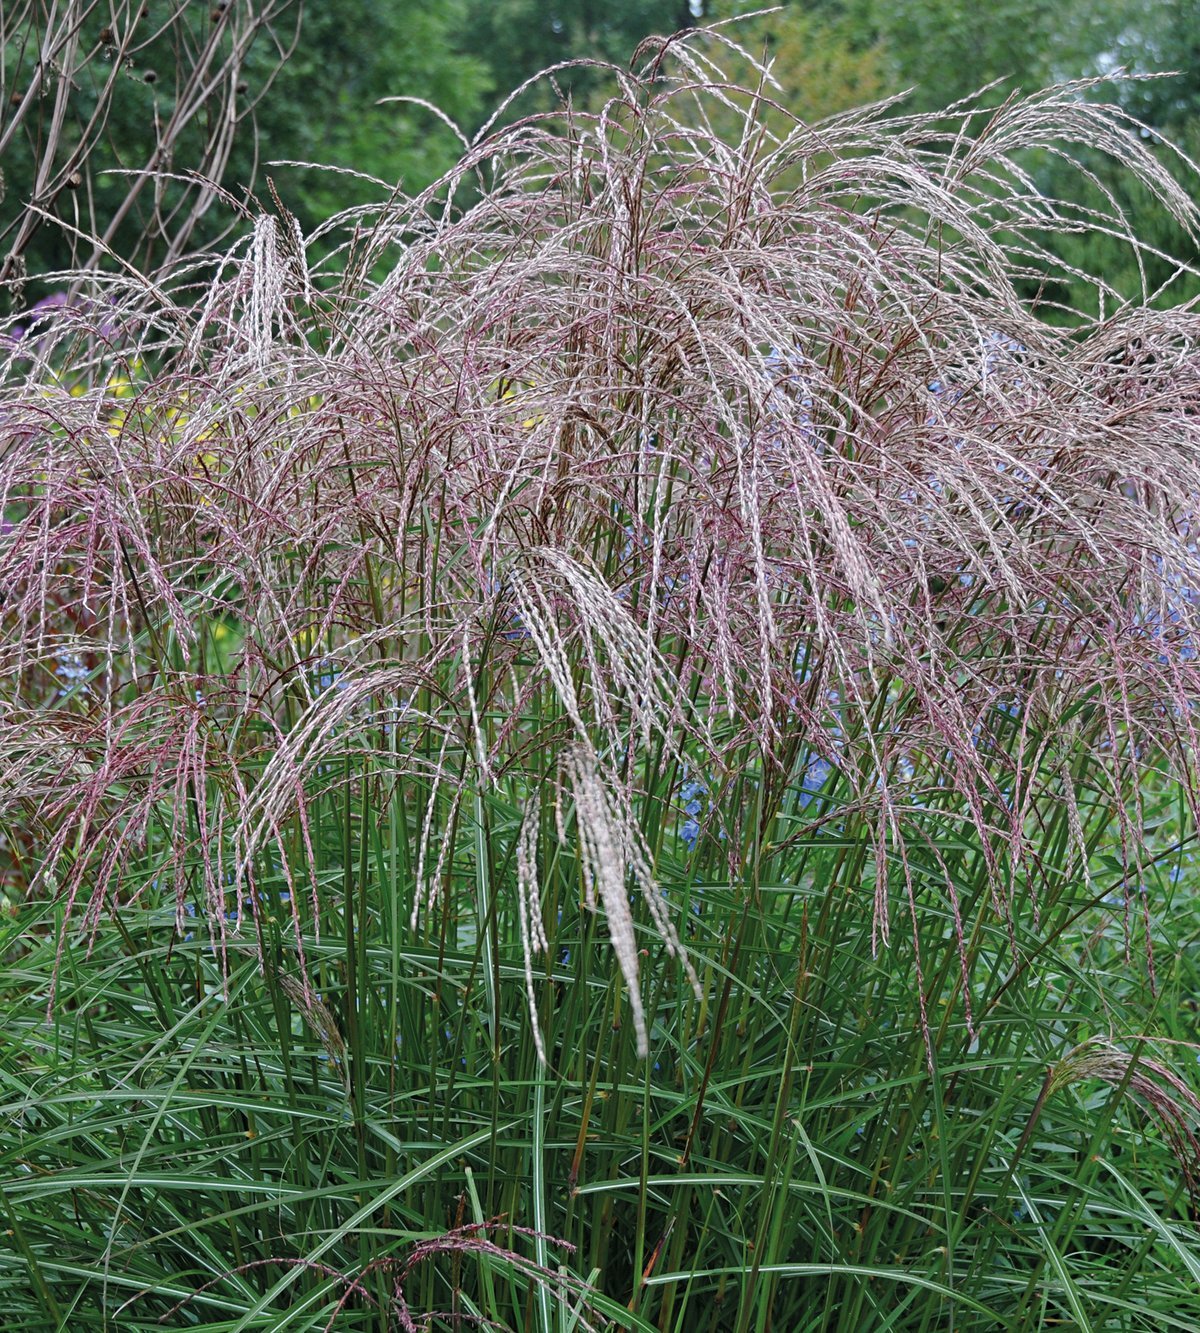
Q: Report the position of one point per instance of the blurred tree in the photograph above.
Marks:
(325, 106)
(1158, 38)
(114, 119)
(948, 49)
(832, 54)
(822, 54)
(518, 38)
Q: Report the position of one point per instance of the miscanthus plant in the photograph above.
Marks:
(621, 755)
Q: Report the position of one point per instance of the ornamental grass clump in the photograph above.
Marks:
(648, 695)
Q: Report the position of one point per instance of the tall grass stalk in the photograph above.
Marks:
(620, 754)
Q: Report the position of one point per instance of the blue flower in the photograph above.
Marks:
(816, 774)
(691, 794)
(329, 675)
(516, 628)
(71, 669)
(493, 586)
(997, 349)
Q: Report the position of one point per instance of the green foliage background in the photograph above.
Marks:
(465, 56)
